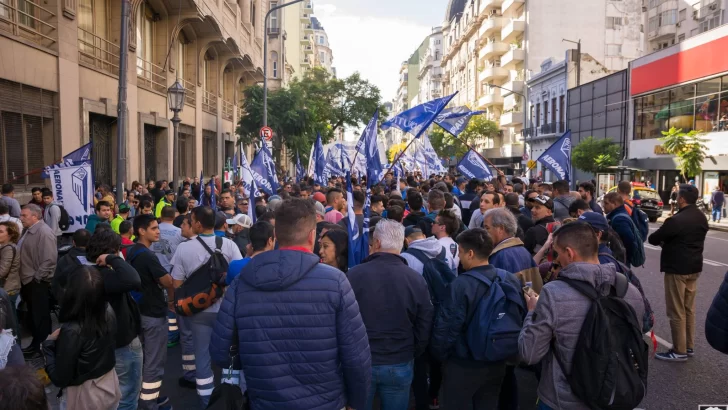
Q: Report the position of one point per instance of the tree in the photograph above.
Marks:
(394, 150)
(689, 148)
(593, 155)
(446, 145)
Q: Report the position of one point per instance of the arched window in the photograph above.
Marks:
(274, 63)
(181, 55)
(145, 39)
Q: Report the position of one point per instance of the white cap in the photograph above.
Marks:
(240, 219)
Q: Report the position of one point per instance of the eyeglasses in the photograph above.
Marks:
(244, 203)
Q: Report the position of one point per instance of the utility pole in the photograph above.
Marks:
(121, 106)
(578, 59)
(265, 56)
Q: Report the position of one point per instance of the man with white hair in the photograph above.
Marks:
(395, 306)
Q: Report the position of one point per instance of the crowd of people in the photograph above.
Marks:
(465, 281)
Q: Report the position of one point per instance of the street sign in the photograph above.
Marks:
(531, 164)
(266, 133)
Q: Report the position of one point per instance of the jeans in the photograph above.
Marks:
(471, 388)
(392, 382)
(129, 370)
(201, 326)
(717, 212)
(680, 292)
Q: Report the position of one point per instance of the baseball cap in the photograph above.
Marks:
(410, 230)
(123, 208)
(460, 180)
(545, 201)
(320, 209)
(319, 197)
(240, 219)
(220, 219)
(596, 220)
(168, 192)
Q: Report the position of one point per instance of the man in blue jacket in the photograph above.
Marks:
(301, 341)
(621, 222)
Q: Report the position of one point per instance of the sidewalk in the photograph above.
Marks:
(722, 226)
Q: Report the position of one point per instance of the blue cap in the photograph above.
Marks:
(596, 220)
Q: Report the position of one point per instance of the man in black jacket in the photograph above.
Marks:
(467, 198)
(415, 202)
(682, 238)
(544, 223)
(75, 257)
(395, 306)
(468, 383)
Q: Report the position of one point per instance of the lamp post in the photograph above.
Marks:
(265, 57)
(176, 98)
(578, 59)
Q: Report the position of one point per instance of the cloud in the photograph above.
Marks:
(375, 46)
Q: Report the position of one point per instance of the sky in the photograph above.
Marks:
(375, 36)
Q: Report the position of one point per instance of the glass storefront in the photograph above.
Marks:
(702, 106)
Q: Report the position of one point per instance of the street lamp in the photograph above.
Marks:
(505, 89)
(176, 98)
(265, 58)
(578, 59)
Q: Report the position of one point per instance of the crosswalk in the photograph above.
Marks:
(708, 262)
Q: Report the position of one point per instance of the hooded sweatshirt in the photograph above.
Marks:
(430, 246)
(286, 304)
(94, 220)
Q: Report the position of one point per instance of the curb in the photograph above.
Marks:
(713, 226)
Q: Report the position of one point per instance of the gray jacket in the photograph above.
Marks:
(38, 253)
(51, 216)
(13, 206)
(558, 317)
(561, 206)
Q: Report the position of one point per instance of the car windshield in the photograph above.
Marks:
(646, 194)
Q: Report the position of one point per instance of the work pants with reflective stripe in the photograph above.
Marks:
(188, 348)
(154, 342)
(201, 326)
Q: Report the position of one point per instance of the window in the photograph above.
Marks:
(274, 16)
(530, 115)
(614, 22)
(274, 61)
(707, 104)
(322, 57)
(145, 40)
(553, 110)
(437, 55)
(667, 18)
(681, 38)
(209, 152)
(672, 108)
(252, 12)
(545, 112)
(683, 15)
(614, 49)
(538, 114)
(181, 54)
(321, 40)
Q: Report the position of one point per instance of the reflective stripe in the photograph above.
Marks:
(150, 396)
(172, 320)
(188, 357)
(188, 367)
(202, 382)
(173, 328)
(151, 386)
(204, 392)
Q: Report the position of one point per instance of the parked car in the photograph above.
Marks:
(646, 198)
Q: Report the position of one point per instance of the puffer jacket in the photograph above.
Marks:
(561, 206)
(301, 339)
(511, 256)
(716, 322)
(557, 321)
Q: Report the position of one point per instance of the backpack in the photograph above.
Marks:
(135, 294)
(638, 254)
(642, 222)
(205, 285)
(648, 318)
(492, 334)
(437, 274)
(609, 365)
(64, 221)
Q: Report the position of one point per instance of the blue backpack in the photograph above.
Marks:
(493, 331)
(637, 258)
(437, 274)
(642, 222)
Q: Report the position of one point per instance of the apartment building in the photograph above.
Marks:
(299, 31)
(491, 47)
(430, 73)
(323, 56)
(668, 22)
(59, 83)
(279, 72)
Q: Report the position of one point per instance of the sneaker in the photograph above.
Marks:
(691, 352)
(434, 404)
(671, 356)
(186, 383)
(162, 401)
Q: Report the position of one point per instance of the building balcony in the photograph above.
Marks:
(708, 8)
(305, 16)
(511, 87)
(507, 150)
(209, 102)
(227, 110)
(98, 52)
(512, 118)
(308, 29)
(28, 20)
(492, 73)
(511, 6)
(308, 49)
(490, 26)
(306, 62)
(512, 30)
(190, 92)
(305, 40)
(545, 131)
(489, 4)
(274, 31)
(492, 98)
(308, 7)
(664, 32)
(512, 58)
(493, 49)
(151, 76)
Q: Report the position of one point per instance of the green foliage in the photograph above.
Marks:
(316, 103)
(446, 145)
(593, 155)
(689, 148)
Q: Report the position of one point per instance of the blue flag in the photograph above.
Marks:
(416, 120)
(264, 171)
(76, 157)
(213, 201)
(398, 171)
(455, 120)
(343, 158)
(371, 151)
(319, 163)
(557, 157)
(201, 188)
(472, 166)
(252, 193)
(358, 241)
(300, 173)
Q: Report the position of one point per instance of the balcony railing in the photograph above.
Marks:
(26, 19)
(98, 52)
(227, 110)
(274, 31)
(554, 128)
(190, 92)
(209, 102)
(151, 76)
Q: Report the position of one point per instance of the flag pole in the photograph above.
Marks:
(482, 157)
(396, 159)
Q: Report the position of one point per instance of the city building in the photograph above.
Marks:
(299, 37)
(668, 22)
(430, 73)
(491, 47)
(323, 57)
(279, 73)
(59, 83)
(683, 86)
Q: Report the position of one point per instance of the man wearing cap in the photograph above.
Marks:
(240, 225)
(319, 197)
(544, 223)
(122, 216)
(610, 247)
(459, 187)
(167, 200)
(221, 225)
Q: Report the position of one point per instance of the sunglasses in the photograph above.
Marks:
(530, 199)
(244, 203)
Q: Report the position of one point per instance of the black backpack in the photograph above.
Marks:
(648, 319)
(609, 366)
(64, 221)
(437, 274)
(205, 285)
